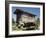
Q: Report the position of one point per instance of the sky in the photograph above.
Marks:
(33, 10)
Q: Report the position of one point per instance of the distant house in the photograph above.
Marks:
(25, 17)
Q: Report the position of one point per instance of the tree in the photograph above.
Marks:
(13, 20)
(37, 23)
